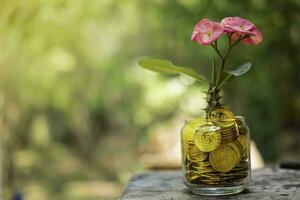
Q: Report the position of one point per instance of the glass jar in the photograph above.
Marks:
(216, 155)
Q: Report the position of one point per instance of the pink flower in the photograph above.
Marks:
(206, 32)
(237, 24)
(255, 38)
(240, 27)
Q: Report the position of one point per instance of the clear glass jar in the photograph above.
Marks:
(216, 156)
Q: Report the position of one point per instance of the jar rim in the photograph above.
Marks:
(239, 117)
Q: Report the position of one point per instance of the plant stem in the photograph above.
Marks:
(213, 73)
(223, 58)
(213, 97)
(220, 71)
(215, 46)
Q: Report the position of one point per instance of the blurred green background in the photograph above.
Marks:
(75, 107)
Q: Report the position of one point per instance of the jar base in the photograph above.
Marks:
(216, 190)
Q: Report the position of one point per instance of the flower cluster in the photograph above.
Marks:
(206, 31)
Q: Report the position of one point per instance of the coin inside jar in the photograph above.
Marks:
(243, 140)
(207, 138)
(190, 128)
(236, 145)
(195, 154)
(224, 158)
(220, 114)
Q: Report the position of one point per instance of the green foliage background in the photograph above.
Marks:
(75, 106)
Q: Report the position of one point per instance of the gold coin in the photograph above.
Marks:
(220, 114)
(202, 169)
(228, 123)
(224, 158)
(192, 177)
(229, 129)
(204, 163)
(197, 158)
(229, 134)
(207, 138)
(243, 141)
(236, 145)
(193, 153)
(190, 127)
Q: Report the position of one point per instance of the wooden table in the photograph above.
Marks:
(267, 183)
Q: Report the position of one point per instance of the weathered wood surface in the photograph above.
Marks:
(267, 183)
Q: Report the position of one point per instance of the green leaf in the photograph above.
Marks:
(157, 65)
(230, 75)
(190, 72)
(166, 66)
(242, 69)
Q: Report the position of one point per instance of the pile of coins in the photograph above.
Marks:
(216, 149)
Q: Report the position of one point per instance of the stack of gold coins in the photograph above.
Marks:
(229, 131)
(225, 119)
(196, 145)
(244, 137)
(193, 157)
(213, 150)
(237, 146)
(244, 141)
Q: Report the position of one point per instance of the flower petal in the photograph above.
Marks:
(207, 31)
(202, 26)
(239, 24)
(254, 39)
